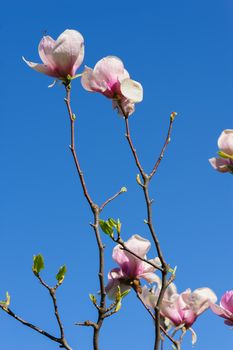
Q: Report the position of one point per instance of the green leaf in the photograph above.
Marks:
(93, 298)
(106, 228)
(38, 264)
(61, 274)
(112, 223)
(118, 228)
(118, 306)
(6, 302)
(126, 292)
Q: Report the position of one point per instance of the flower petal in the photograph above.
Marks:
(132, 90)
(225, 141)
(115, 280)
(45, 49)
(90, 83)
(227, 301)
(42, 68)
(68, 52)
(220, 164)
(123, 106)
(109, 69)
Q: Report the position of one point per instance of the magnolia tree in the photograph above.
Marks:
(173, 313)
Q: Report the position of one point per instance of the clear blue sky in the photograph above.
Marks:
(182, 53)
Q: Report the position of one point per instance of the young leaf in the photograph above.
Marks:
(38, 264)
(126, 292)
(112, 223)
(61, 274)
(106, 228)
(118, 306)
(6, 303)
(118, 228)
(93, 298)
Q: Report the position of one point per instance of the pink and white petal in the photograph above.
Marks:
(132, 90)
(149, 296)
(67, 49)
(200, 299)
(194, 336)
(218, 310)
(149, 268)
(220, 164)
(189, 317)
(170, 291)
(89, 82)
(172, 313)
(109, 69)
(119, 256)
(115, 280)
(79, 59)
(227, 301)
(225, 141)
(42, 68)
(138, 245)
(45, 49)
(123, 76)
(123, 106)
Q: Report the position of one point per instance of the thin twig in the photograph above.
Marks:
(60, 341)
(145, 186)
(110, 199)
(133, 148)
(164, 147)
(52, 292)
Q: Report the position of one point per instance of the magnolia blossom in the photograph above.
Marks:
(131, 268)
(225, 309)
(225, 144)
(110, 78)
(181, 309)
(61, 58)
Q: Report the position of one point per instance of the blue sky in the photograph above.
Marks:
(182, 53)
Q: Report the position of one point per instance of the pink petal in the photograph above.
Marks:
(149, 296)
(45, 49)
(138, 245)
(225, 141)
(220, 164)
(68, 52)
(123, 106)
(218, 310)
(90, 83)
(42, 68)
(115, 280)
(227, 301)
(109, 69)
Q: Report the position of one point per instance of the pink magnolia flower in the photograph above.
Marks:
(181, 309)
(225, 309)
(131, 268)
(225, 144)
(184, 308)
(110, 78)
(61, 58)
